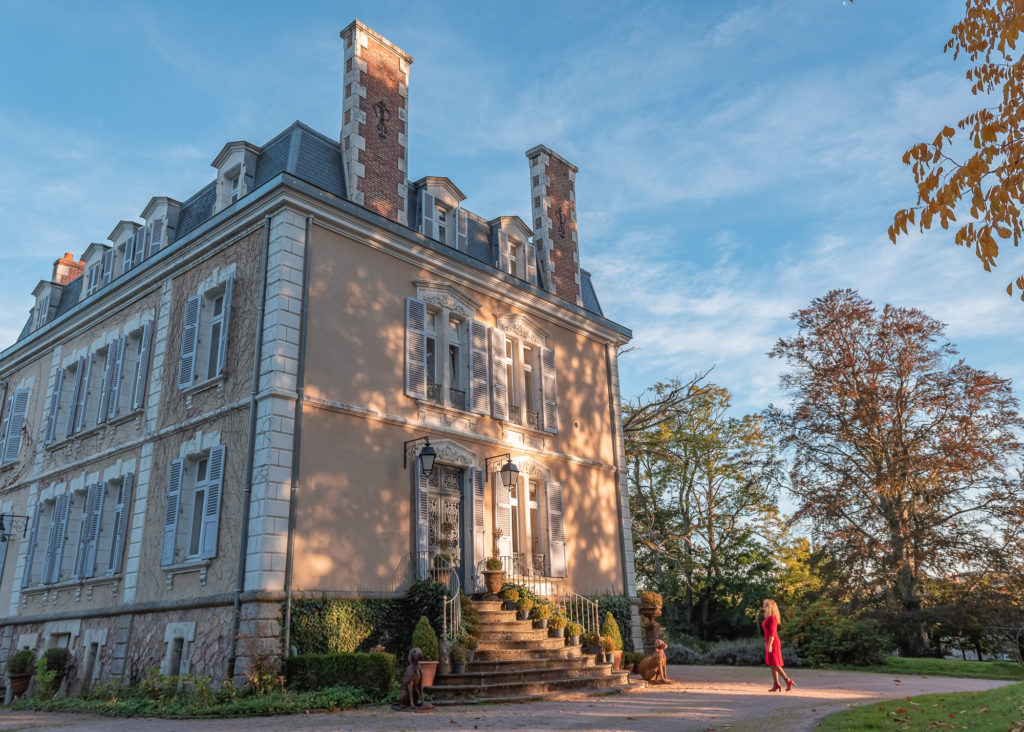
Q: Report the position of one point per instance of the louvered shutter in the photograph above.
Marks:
(189, 340)
(502, 515)
(15, 426)
(55, 540)
(222, 351)
(30, 551)
(461, 230)
(108, 382)
(114, 405)
(499, 375)
(531, 263)
(422, 508)
(415, 348)
(157, 237)
(121, 529)
(211, 509)
(549, 389)
(129, 254)
(83, 532)
(428, 215)
(6, 423)
(76, 391)
(143, 365)
(5, 519)
(556, 531)
(141, 244)
(96, 521)
(478, 481)
(504, 253)
(479, 401)
(83, 393)
(108, 266)
(51, 418)
(171, 512)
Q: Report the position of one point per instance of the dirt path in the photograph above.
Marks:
(704, 698)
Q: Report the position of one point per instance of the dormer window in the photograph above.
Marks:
(442, 224)
(42, 312)
(440, 215)
(236, 172)
(515, 252)
(235, 185)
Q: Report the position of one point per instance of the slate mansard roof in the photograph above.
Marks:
(313, 158)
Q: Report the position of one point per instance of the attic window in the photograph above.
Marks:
(42, 311)
(233, 182)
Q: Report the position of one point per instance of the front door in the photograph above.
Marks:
(444, 502)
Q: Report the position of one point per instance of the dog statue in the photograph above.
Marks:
(653, 668)
(410, 694)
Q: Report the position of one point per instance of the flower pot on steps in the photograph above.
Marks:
(429, 671)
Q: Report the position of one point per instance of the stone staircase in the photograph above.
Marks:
(514, 662)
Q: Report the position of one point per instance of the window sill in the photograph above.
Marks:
(51, 592)
(192, 565)
(216, 382)
(448, 417)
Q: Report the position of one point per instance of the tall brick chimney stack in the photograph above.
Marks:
(66, 269)
(375, 122)
(553, 191)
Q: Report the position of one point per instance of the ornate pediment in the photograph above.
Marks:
(449, 452)
(527, 466)
(522, 327)
(446, 296)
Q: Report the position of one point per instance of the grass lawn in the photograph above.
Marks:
(943, 667)
(995, 710)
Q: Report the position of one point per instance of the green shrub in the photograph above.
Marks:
(621, 607)
(573, 629)
(470, 616)
(823, 634)
(493, 564)
(629, 658)
(607, 645)
(58, 660)
(21, 663)
(677, 653)
(610, 629)
(424, 638)
(510, 594)
(470, 642)
(525, 604)
(590, 638)
(458, 653)
(369, 672)
(541, 612)
(558, 621)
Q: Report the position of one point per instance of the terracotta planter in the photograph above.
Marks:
(19, 684)
(493, 580)
(429, 670)
(616, 660)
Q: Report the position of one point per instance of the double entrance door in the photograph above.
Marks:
(444, 516)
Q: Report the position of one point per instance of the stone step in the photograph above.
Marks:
(522, 675)
(525, 654)
(538, 643)
(514, 634)
(634, 685)
(477, 666)
(528, 688)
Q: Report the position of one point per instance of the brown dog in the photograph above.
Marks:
(410, 694)
(653, 668)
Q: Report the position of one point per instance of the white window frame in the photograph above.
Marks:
(198, 346)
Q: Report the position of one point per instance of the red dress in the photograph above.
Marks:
(771, 632)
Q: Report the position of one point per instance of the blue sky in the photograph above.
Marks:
(736, 159)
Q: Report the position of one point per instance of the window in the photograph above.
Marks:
(192, 511)
(233, 182)
(204, 336)
(13, 425)
(524, 388)
(442, 224)
(446, 357)
(95, 278)
(530, 519)
(42, 311)
(517, 258)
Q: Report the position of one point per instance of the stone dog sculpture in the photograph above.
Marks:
(410, 693)
(653, 668)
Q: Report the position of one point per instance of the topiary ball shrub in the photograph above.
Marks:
(610, 629)
(424, 638)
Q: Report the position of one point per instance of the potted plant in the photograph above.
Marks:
(572, 632)
(424, 638)
(650, 604)
(20, 668)
(590, 642)
(494, 577)
(609, 654)
(556, 626)
(540, 614)
(470, 641)
(524, 605)
(59, 661)
(511, 597)
(610, 630)
(458, 659)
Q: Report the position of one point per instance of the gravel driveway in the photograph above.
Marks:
(703, 698)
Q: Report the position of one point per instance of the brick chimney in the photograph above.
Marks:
(375, 120)
(66, 269)
(553, 191)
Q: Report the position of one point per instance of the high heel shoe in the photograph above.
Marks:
(789, 684)
(775, 688)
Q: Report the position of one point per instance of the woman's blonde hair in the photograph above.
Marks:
(770, 608)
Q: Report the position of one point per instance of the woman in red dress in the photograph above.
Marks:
(773, 646)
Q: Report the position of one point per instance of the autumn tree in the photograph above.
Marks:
(903, 456)
(989, 178)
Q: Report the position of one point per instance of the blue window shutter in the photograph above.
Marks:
(108, 265)
(129, 254)
(549, 389)
(189, 340)
(504, 253)
(556, 531)
(479, 384)
(428, 214)
(171, 512)
(51, 417)
(422, 516)
(94, 523)
(121, 530)
(478, 481)
(84, 532)
(30, 551)
(83, 392)
(108, 377)
(19, 406)
(531, 263)
(76, 390)
(222, 353)
(55, 540)
(461, 230)
(211, 509)
(5, 518)
(114, 404)
(415, 348)
(499, 376)
(140, 377)
(502, 515)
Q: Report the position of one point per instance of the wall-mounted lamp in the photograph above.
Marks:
(427, 455)
(8, 522)
(509, 472)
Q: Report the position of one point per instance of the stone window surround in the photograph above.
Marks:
(186, 631)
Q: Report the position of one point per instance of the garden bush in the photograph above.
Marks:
(684, 655)
(424, 638)
(823, 634)
(610, 629)
(368, 672)
(620, 606)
